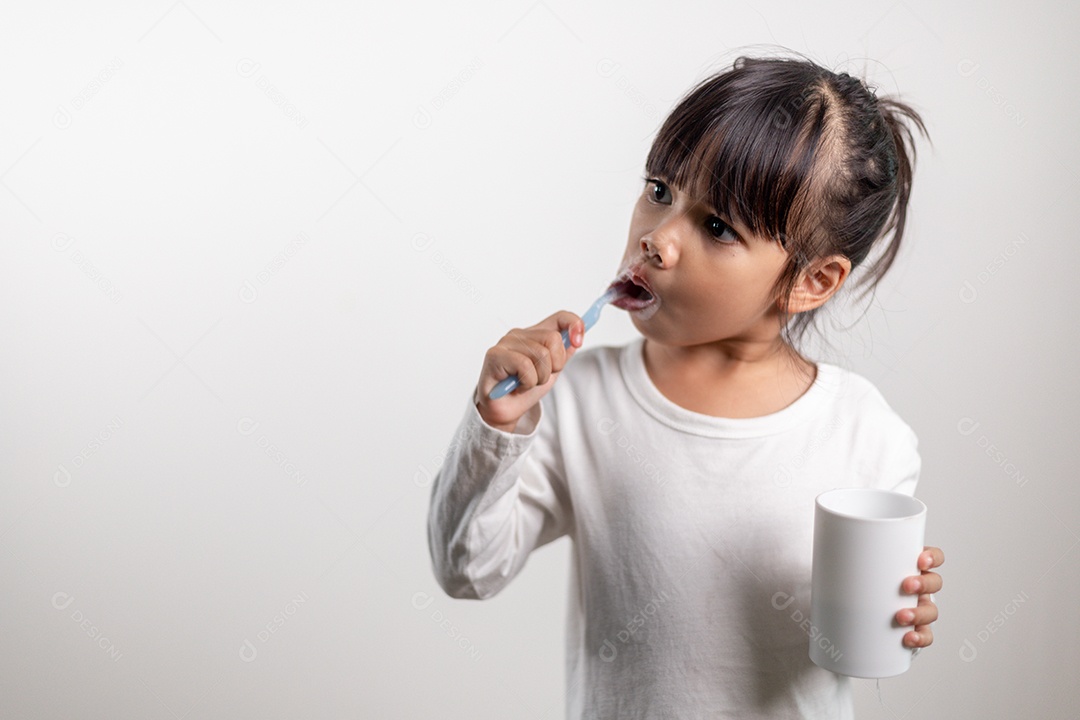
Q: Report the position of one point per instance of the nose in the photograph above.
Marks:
(659, 246)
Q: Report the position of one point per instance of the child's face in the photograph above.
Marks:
(714, 282)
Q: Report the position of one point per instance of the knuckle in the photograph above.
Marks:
(544, 357)
(522, 368)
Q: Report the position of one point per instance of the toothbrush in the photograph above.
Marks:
(590, 317)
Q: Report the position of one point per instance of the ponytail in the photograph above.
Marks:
(900, 165)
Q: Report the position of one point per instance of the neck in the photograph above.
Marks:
(728, 357)
(729, 380)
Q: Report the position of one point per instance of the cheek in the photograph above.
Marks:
(738, 286)
(633, 250)
(635, 229)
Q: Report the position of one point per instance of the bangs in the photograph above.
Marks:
(745, 142)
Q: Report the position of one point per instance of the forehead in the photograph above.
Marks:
(699, 188)
(696, 188)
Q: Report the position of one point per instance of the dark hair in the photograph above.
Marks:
(799, 154)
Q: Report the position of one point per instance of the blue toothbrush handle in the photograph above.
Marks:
(510, 384)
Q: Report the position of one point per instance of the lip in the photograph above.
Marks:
(635, 274)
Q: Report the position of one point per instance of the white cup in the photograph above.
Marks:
(866, 542)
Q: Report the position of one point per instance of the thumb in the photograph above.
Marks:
(573, 325)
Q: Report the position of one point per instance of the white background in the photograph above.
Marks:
(253, 256)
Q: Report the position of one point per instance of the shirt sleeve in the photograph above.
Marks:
(496, 497)
(906, 464)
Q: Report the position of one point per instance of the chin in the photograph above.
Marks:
(647, 329)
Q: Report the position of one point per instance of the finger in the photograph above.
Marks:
(924, 614)
(516, 340)
(572, 323)
(526, 343)
(521, 364)
(928, 582)
(931, 557)
(931, 582)
(921, 636)
(927, 612)
(539, 353)
(556, 351)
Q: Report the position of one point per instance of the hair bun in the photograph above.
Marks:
(856, 86)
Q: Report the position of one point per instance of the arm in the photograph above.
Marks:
(497, 496)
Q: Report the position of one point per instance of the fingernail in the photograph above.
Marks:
(916, 637)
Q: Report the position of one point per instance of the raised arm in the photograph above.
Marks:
(497, 496)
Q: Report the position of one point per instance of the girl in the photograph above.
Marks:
(684, 465)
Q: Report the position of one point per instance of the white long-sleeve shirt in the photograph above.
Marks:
(692, 534)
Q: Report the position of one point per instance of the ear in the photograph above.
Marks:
(818, 282)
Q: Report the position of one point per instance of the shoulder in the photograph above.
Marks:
(856, 395)
(877, 434)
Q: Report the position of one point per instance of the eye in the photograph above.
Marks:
(659, 191)
(718, 228)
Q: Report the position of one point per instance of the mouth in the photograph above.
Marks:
(634, 292)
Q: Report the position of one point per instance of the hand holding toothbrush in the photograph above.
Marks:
(533, 358)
